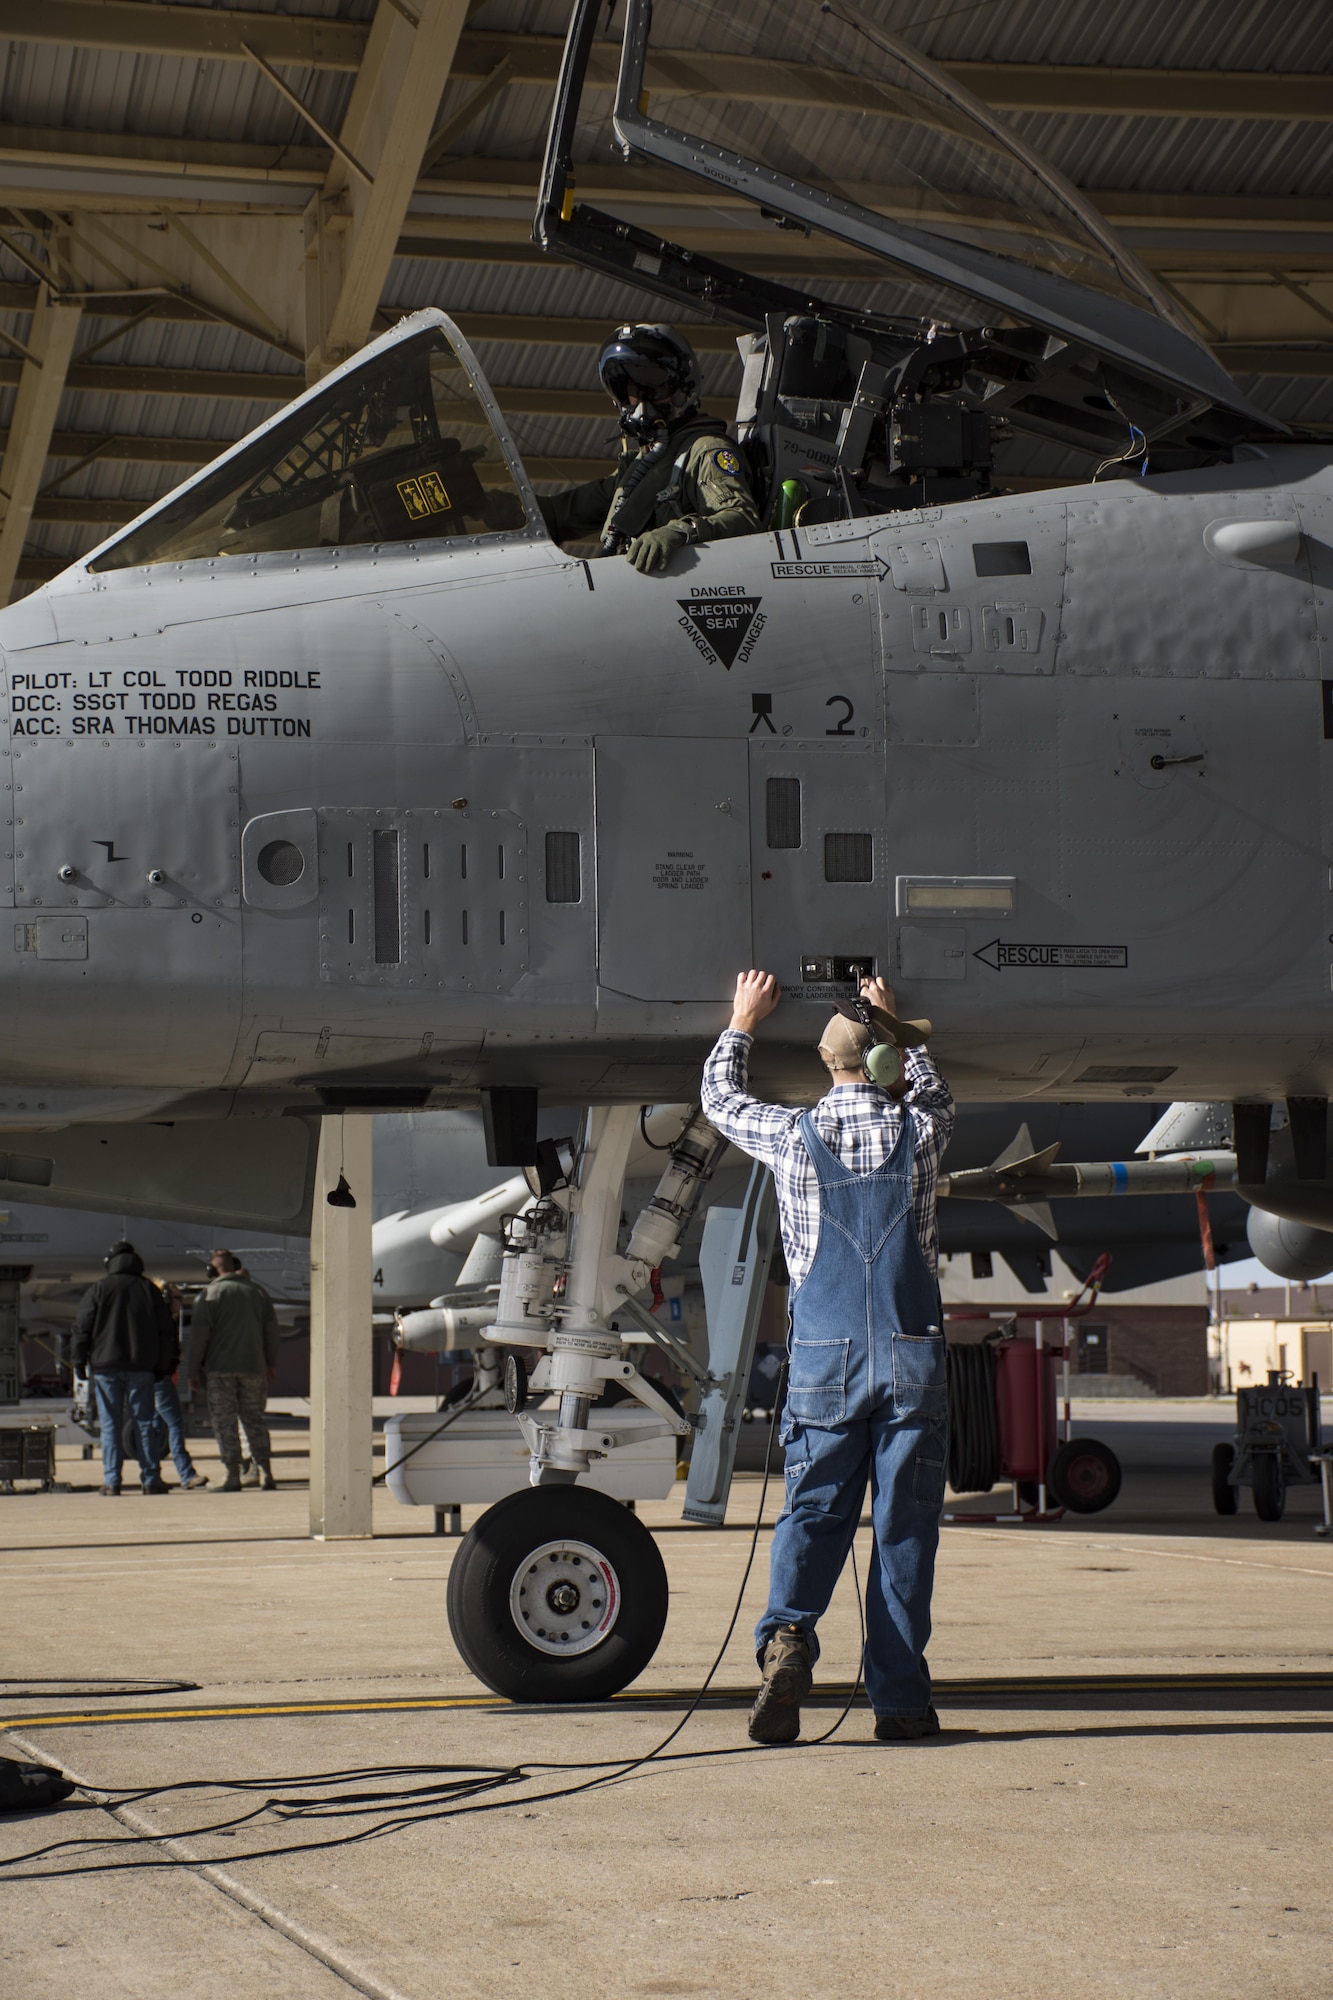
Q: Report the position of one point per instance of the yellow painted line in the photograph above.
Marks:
(958, 1691)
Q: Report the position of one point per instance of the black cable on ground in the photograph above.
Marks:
(463, 1787)
(54, 1687)
(974, 1444)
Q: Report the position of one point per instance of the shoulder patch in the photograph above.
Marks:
(728, 461)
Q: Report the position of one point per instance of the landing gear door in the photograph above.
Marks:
(734, 1262)
(673, 874)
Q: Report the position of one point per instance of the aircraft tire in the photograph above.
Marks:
(1270, 1486)
(1084, 1475)
(558, 1594)
(1226, 1499)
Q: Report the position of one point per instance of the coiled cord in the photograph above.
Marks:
(974, 1444)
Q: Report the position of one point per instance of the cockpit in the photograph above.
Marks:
(399, 448)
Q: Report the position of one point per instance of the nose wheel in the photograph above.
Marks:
(557, 1594)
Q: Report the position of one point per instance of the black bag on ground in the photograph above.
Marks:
(30, 1787)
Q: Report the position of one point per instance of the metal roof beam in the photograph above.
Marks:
(301, 41)
(352, 225)
(311, 42)
(1300, 357)
(41, 379)
(248, 166)
(237, 385)
(128, 449)
(222, 384)
(1101, 91)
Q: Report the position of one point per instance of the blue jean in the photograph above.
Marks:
(169, 1428)
(826, 1481)
(114, 1387)
(865, 1400)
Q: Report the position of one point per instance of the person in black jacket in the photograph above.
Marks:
(124, 1337)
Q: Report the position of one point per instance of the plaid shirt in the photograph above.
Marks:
(857, 1121)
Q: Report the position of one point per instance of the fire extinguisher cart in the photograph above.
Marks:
(1003, 1424)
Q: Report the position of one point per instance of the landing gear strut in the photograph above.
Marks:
(558, 1593)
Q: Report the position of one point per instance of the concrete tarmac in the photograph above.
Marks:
(1130, 1797)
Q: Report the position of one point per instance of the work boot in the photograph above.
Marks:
(250, 1473)
(232, 1482)
(266, 1479)
(154, 1483)
(112, 1489)
(195, 1481)
(785, 1664)
(906, 1728)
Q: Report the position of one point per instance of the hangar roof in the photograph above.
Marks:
(233, 197)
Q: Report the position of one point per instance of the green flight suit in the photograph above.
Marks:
(701, 480)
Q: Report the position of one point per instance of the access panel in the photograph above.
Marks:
(673, 876)
(822, 890)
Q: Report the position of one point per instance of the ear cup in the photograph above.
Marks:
(883, 1064)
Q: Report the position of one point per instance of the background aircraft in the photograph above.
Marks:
(427, 1164)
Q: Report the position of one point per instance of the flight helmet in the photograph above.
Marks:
(651, 375)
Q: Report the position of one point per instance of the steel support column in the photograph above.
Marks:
(340, 1336)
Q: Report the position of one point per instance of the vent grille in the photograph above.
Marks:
(782, 811)
(387, 895)
(564, 868)
(849, 857)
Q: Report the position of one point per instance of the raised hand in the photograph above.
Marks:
(757, 994)
(880, 994)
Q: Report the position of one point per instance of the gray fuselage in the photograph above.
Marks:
(1050, 761)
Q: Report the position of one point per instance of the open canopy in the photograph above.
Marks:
(830, 146)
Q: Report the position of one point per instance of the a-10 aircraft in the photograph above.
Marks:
(335, 784)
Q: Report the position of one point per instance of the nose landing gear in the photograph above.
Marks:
(559, 1593)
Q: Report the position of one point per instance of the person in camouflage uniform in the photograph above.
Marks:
(234, 1348)
(680, 479)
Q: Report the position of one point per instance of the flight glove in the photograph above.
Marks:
(655, 547)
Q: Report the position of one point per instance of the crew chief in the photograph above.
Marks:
(856, 1180)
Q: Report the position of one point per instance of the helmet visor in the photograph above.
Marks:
(633, 378)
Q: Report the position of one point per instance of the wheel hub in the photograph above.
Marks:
(565, 1598)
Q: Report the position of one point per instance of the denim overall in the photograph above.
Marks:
(865, 1397)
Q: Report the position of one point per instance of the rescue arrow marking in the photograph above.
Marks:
(1044, 957)
(865, 566)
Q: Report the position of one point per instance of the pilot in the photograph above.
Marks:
(680, 478)
(856, 1184)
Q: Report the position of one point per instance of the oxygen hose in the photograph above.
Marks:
(974, 1444)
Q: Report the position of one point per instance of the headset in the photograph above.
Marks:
(882, 1063)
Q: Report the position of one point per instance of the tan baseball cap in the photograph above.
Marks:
(844, 1042)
